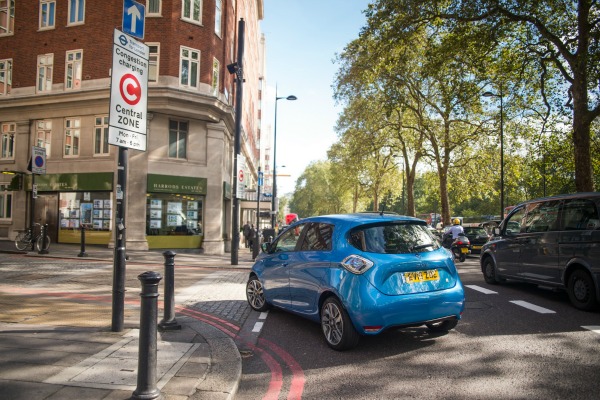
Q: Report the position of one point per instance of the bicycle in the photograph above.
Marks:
(27, 238)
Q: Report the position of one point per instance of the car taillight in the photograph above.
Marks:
(356, 264)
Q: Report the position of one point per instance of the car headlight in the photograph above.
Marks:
(356, 264)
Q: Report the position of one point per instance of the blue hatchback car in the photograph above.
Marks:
(358, 274)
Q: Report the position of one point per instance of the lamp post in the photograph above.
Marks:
(274, 192)
(491, 94)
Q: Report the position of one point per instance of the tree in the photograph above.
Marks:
(561, 39)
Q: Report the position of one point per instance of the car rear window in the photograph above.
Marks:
(393, 238)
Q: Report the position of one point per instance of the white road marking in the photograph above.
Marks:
(533, 307)
(593, 328)
(481, 289)
(257, 327)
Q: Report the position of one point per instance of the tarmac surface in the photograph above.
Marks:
(56, 333)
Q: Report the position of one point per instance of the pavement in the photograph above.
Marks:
(56, 331)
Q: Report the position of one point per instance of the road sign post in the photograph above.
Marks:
(126, 129)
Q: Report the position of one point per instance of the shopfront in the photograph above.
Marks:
(175, 211)
(66, 202)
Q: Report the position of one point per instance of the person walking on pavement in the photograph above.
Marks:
(247, 231)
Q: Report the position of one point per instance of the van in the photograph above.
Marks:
(552, 241)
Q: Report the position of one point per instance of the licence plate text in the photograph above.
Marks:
(421, 276)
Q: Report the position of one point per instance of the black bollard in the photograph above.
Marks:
(146, 380)
(82, 252)
(169, 323)
(43, 231)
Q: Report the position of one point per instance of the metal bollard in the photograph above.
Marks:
(82, 252)
(169, 323)
(43, 231)
(146, 380)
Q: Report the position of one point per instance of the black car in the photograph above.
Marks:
(477, 235)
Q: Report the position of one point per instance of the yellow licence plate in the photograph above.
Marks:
(464, 250)
(477, 247)
(421, 276)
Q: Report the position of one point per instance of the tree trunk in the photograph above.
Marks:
(582, 119)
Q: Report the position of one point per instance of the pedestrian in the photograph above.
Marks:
(251, 237)
(246, 230)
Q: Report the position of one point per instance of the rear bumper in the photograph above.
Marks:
(383, 312)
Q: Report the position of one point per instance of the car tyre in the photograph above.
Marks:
(582, 292)
(256, 295)
(442, 326)
(337, 327)
(462, 257)
(489, 272)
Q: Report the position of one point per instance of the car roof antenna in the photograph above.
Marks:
(382, 209)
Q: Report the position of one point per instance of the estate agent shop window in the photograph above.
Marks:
(174, 211)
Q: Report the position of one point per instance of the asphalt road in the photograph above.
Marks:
(515, 341)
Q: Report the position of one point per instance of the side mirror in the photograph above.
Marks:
(265, 247)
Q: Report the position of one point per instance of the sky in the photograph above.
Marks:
(302, 39)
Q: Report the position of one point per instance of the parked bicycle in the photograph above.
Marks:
(27, 238)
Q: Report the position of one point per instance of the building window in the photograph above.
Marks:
(178, 131)
(45, 64)
(191, 10)
(43, 136)
(215, 76)
(76, 12)
(218, 15)
(101, 135)
(72, 134)
(73, 68)
(5, 202)
(47, 13)
(8, 141)
(189, 67)
(153, 64)
(5, 77)
(154, 7)
(7, 17)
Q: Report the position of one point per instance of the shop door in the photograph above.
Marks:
(46, 212)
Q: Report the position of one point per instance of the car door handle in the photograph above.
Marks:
(285, 264)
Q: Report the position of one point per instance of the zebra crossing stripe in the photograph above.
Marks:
(593, 328)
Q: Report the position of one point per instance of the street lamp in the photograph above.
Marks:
(491, 94)
(274, 194)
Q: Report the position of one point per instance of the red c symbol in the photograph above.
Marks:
(131, 90)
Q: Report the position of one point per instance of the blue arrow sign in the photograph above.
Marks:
(260, 178)
(134, 15)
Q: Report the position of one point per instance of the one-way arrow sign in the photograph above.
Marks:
(134, 15)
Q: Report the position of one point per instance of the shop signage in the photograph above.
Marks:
(128, 93)
(100, 181)
(176, 184)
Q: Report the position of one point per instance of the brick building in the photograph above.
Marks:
(55, 65)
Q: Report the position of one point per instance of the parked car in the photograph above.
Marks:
(477, 236)
(358, 274)
(553, 241)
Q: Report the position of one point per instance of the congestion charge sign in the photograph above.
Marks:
(128, 93)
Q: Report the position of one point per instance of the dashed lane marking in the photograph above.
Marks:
(481, 289)
(258, 325)
(593, 328)
(533, 307)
